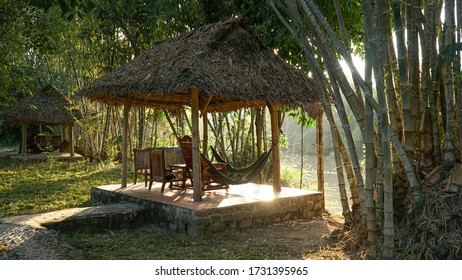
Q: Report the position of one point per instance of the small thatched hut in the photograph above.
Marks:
(217, 67)
(47, 106)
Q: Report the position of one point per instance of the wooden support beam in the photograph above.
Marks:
(71, 140)
(63, 136)
(204, 109)
(196, 160)
(125, 143)
(275, 145)
(24, 139)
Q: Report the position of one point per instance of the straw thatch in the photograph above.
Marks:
(47, 106)
(228, 65)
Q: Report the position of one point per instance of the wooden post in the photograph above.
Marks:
(125, 143)
(205, 135)
(319, 153)
(259, 134)
(63, 136)
(275, 145)
(24, 139)
(71, 140)
(196, 160)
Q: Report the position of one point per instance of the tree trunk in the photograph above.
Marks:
(377, 42)
(337, 75)
(457, 73)
(449, 147)
(370, 161)
(346, 212)
(320, 161)
(413, 16)
(302, 153)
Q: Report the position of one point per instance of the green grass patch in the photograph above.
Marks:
(27, 188)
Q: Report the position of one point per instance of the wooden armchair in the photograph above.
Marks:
(158, 171)
(142, 164)
(210, 181)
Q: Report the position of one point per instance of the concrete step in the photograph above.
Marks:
(86, 219)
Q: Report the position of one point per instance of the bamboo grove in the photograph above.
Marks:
(406, 104)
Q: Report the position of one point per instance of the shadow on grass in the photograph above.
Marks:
(303, 239)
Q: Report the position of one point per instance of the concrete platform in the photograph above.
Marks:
(240, 207)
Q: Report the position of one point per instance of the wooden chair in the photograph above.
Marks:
(158, 171)
(142, 164)
(210, 181)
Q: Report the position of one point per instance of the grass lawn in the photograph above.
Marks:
(27, 188)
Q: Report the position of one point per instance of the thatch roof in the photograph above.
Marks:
(228, 65)
(47, 106)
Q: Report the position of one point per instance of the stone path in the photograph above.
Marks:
(26, 237)
(23, 242)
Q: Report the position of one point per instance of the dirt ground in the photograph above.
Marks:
(314, 238)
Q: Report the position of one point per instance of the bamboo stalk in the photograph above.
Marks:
(457, 77)
(370, 149)
(377, 63)
(302, 155)
(320, 156)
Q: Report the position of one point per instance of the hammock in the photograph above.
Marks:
(261, 160)
(241, 177)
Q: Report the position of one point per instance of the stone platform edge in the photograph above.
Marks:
(206, 221)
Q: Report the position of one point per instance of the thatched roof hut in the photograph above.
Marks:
(47, 106)
(225, 62)
(217, 67)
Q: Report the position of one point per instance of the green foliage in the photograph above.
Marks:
(301, 117)
(290, 177)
